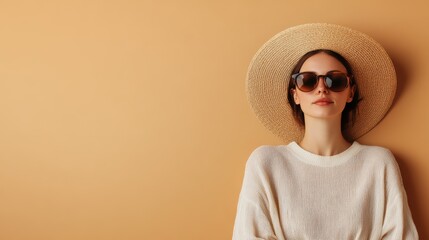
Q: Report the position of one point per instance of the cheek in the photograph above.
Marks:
(343, 99)
(348, 96)
(303, 98)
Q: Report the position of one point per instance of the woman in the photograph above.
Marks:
(322, 184)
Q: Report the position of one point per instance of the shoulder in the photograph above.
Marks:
(268, 151)
(382, 160)
(266, 155)
(378, 154)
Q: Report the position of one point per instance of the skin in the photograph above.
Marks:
(322, 109)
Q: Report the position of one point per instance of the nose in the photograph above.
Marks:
(321, 88)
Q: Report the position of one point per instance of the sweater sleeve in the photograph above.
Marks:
(398, 222)
(253, 217)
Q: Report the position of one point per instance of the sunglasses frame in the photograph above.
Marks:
(349, 80)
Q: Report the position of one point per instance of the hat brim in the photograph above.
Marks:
(270, 69)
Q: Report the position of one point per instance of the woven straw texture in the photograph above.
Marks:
(270, 69)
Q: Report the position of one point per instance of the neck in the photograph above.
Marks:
(323, 137)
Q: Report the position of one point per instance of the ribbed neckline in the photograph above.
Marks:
(324, 161)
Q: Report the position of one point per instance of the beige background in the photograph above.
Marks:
(128, 119)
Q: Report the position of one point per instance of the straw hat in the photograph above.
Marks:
(270, 70)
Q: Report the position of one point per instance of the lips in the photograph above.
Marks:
(323, 101)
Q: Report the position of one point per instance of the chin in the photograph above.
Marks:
(325, 115)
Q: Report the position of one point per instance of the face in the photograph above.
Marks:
(321, 102)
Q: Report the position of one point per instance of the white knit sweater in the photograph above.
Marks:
(290, 193)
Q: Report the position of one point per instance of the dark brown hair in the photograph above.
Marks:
(349, 113)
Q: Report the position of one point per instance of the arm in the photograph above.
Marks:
(253, 216)
(398, 222)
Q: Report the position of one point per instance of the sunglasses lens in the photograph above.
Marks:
(336, 81)
(306, 81)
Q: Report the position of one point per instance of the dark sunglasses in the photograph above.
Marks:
(335, 81)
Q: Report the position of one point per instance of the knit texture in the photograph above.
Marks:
(290, 193)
